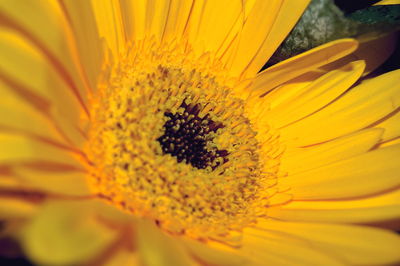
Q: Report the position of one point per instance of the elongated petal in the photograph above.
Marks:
(362, 106)
(30, 77)
(391, 125)
(262, 246)
(306, 158)
(388, 2)
(254, 32)
(46, 30)
(316, 95)
(178, 16)
(65, 234)
(38, 165)
(214, 28)
(134, 18)
(59, 182)
(362, 175)
(122, 258)
(110, 24)
(377, 209)
(155, 248)
(374, 48)
(19, 112)
(288, 15)
(156, 17)
(300, 64)
(213, 255)
(390, 143)
(352, 244)
(82, 21)
(18, 148)
(13, 208)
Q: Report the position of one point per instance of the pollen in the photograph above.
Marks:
(171, 142)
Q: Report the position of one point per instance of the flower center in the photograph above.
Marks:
(171, 142)
(186, 136)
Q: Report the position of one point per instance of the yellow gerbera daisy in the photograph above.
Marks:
(140, 132)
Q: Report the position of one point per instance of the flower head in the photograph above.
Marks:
(143, 132)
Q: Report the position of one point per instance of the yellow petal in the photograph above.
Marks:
(255, 30)
(214, 27)
(15, 114)
(391, 126)
(65, 233)
(381, 216)
(123, 258)
(259, 107)
(389, 143)
(212, 255)
(316, 95)
(177, 20)
(6, 180)
(156, 17)
(279, 199)
(156, 248)
(62, 183)
(46, 30)
(377, 209)
(16, 148)
(193, 25)
(265, 247)
(289, 14)
(306, 158)
(82, 21)
(388, 2)
(374, 48)
(134, 18)
(110, 24)
(32, 79)
(13, 208)
(363, 105)
(354, 245)
(300, 64)
(225, 39)
(45, 23)
(39, 165)
(370, 173)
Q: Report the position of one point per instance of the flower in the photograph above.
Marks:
(142, 132)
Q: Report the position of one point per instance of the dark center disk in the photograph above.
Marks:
(186, 136)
